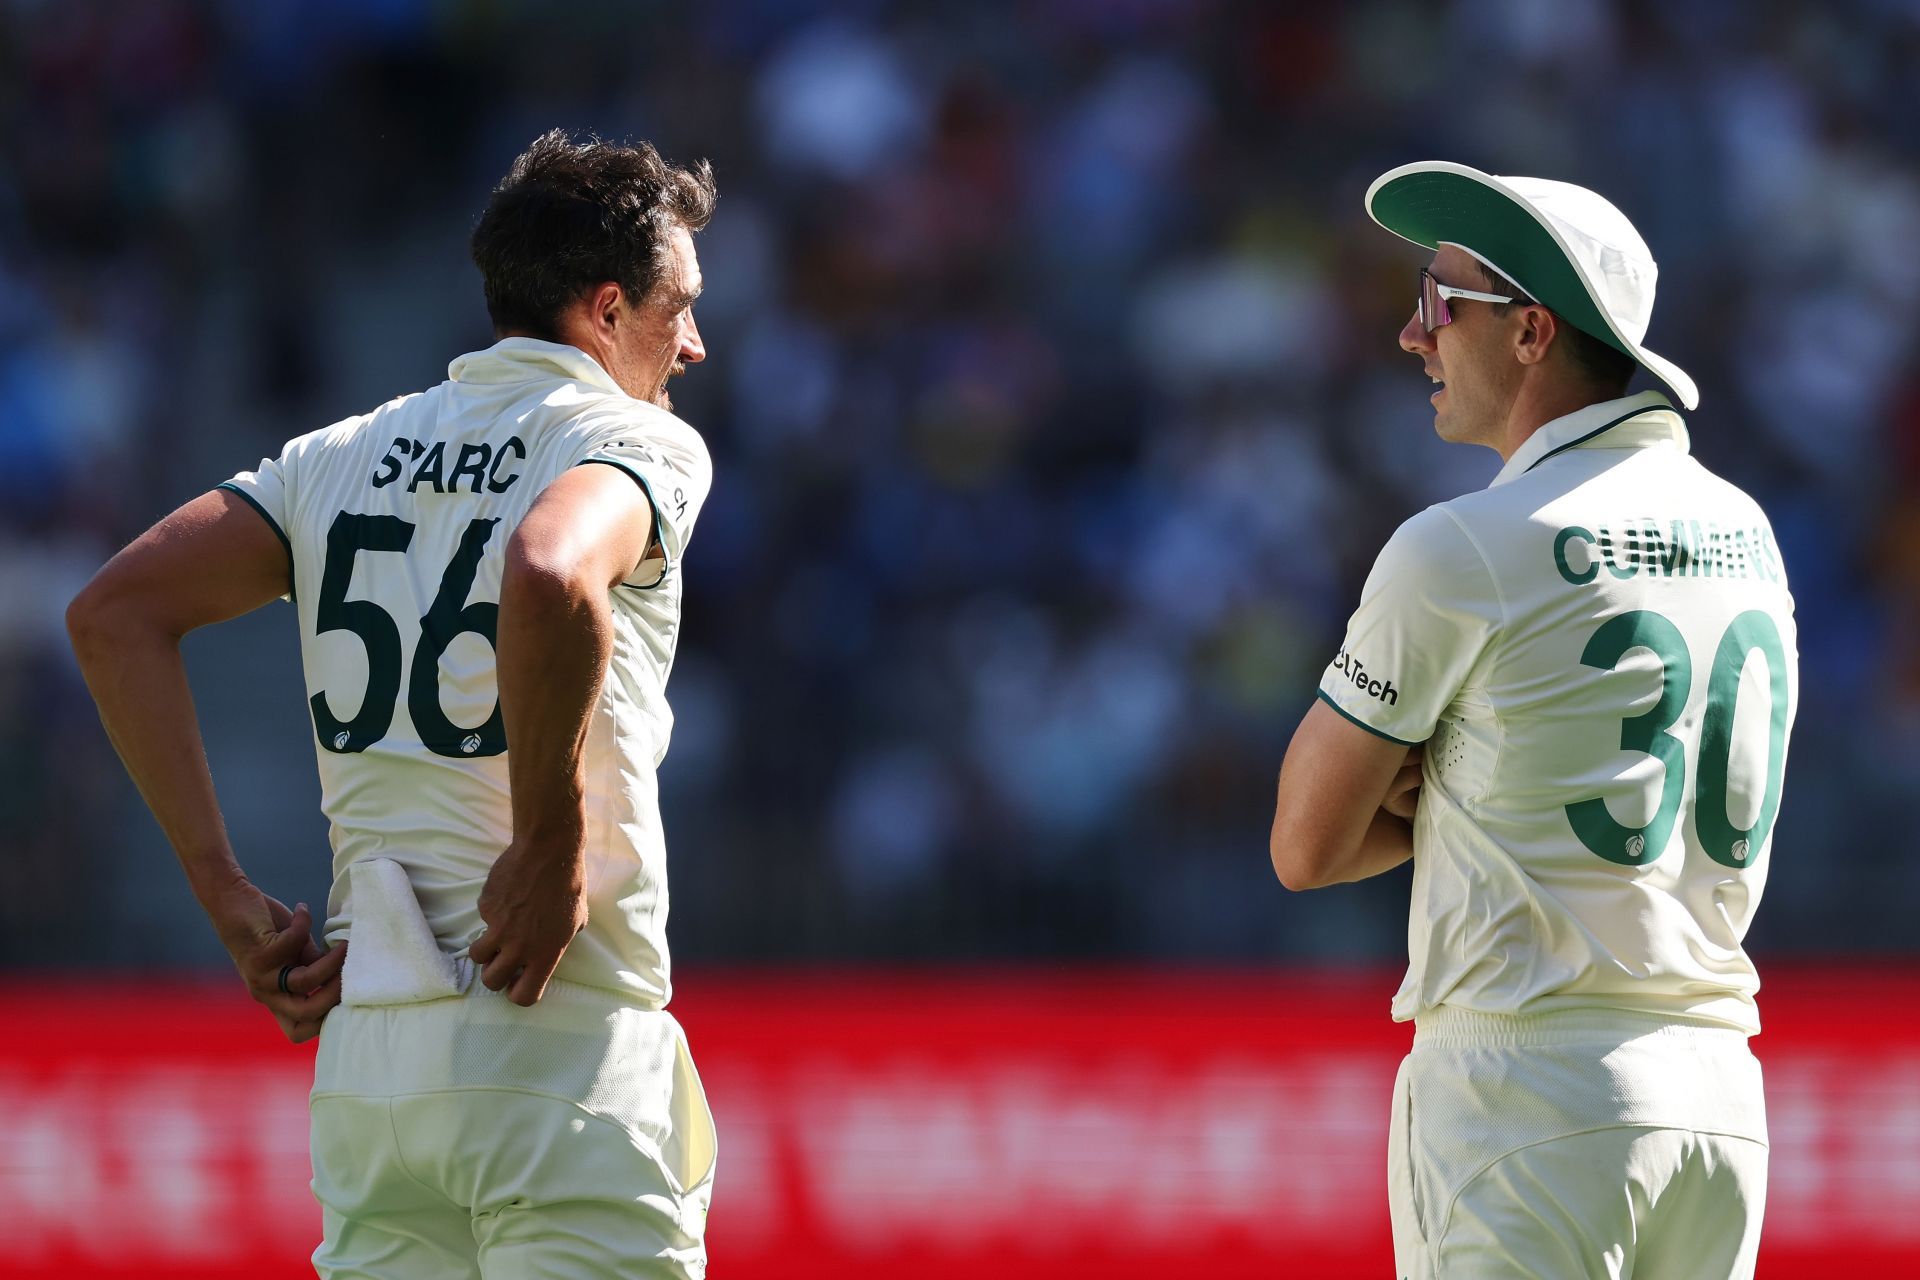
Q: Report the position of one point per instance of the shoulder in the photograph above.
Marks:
(1434, 541)
(603, 416)
(1735, 513)
(1725, 491)
(350, 431)
(626, 427)
(597, 409)
(1433, 566)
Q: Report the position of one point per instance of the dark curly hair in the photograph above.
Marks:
(572, 215)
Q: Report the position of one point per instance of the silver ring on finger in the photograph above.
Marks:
(286, 969)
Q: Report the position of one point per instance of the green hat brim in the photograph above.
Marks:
(1434, 202)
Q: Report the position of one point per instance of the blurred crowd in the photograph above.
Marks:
(1052, 392)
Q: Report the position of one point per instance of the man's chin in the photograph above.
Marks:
(660, 397)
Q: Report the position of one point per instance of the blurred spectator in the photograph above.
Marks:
(1054, 399)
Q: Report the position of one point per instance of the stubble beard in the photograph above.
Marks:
(660, 396)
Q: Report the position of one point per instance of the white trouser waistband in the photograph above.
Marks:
(1445, 1026)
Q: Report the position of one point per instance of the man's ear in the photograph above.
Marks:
(1538, 328)
(604, 306)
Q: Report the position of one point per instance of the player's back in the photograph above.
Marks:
(398, 523)
(1601, 793)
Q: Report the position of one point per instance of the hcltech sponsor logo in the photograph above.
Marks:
(1350, 666)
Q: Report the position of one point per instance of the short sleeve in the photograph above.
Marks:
(669, 461)
(265, 490)
(1427, 613)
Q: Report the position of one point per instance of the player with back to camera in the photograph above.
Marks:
(1567, 699)
(556, 1128)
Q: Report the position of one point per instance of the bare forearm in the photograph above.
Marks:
(1387, 843)
(582, 536)
(210, 560)
(139, 682)
(555, 637)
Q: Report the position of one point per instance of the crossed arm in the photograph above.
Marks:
(1345, 805)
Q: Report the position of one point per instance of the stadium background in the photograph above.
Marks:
(1056, 415)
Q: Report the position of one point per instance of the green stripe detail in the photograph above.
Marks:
(653, 506)
(272, 524)
(1576, 443)
(1322, 695)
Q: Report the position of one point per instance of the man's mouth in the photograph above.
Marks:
(1438, 386)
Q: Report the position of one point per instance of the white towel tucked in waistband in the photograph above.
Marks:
(394, 958)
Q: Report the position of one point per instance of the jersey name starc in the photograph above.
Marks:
(1599, 652)
(397, 523)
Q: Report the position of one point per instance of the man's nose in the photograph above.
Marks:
(1414, 337)
(692, 350)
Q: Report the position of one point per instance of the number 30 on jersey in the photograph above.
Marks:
(1720, 839)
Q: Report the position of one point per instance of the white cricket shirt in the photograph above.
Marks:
(1599, 652)
(397, 524)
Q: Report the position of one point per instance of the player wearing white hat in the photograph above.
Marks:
(492, 561)
(1567, 698)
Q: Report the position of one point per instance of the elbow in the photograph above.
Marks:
(121, 610)
(542, 569)
(1299, 863)
(1293, 879)
(1298, 874)
(93, 618)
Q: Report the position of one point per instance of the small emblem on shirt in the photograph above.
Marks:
(635, 451)
(470, 743)
(639, 452)
(1351, 667)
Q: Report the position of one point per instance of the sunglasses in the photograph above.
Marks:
(1434, 311)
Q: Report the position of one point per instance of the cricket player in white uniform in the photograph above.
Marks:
(1567, 699)
(494, 561)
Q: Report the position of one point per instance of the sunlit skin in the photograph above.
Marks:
(584, 535)
(642, 345)
(1500, 383)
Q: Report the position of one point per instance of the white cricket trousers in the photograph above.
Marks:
(1579, 1145)
(468, 1138)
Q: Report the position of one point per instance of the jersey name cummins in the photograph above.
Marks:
(1599, 652)
(396, 523)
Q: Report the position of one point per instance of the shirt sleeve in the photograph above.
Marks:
(1427, 613)
(265, 490)
(669, 461)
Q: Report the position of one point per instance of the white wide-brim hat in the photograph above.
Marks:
(1566, 246)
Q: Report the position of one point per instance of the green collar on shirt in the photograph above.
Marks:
(1632, 422)
(524, 359)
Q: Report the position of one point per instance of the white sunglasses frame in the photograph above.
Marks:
(1447, 293)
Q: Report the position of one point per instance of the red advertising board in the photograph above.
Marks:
(1012, 1124)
